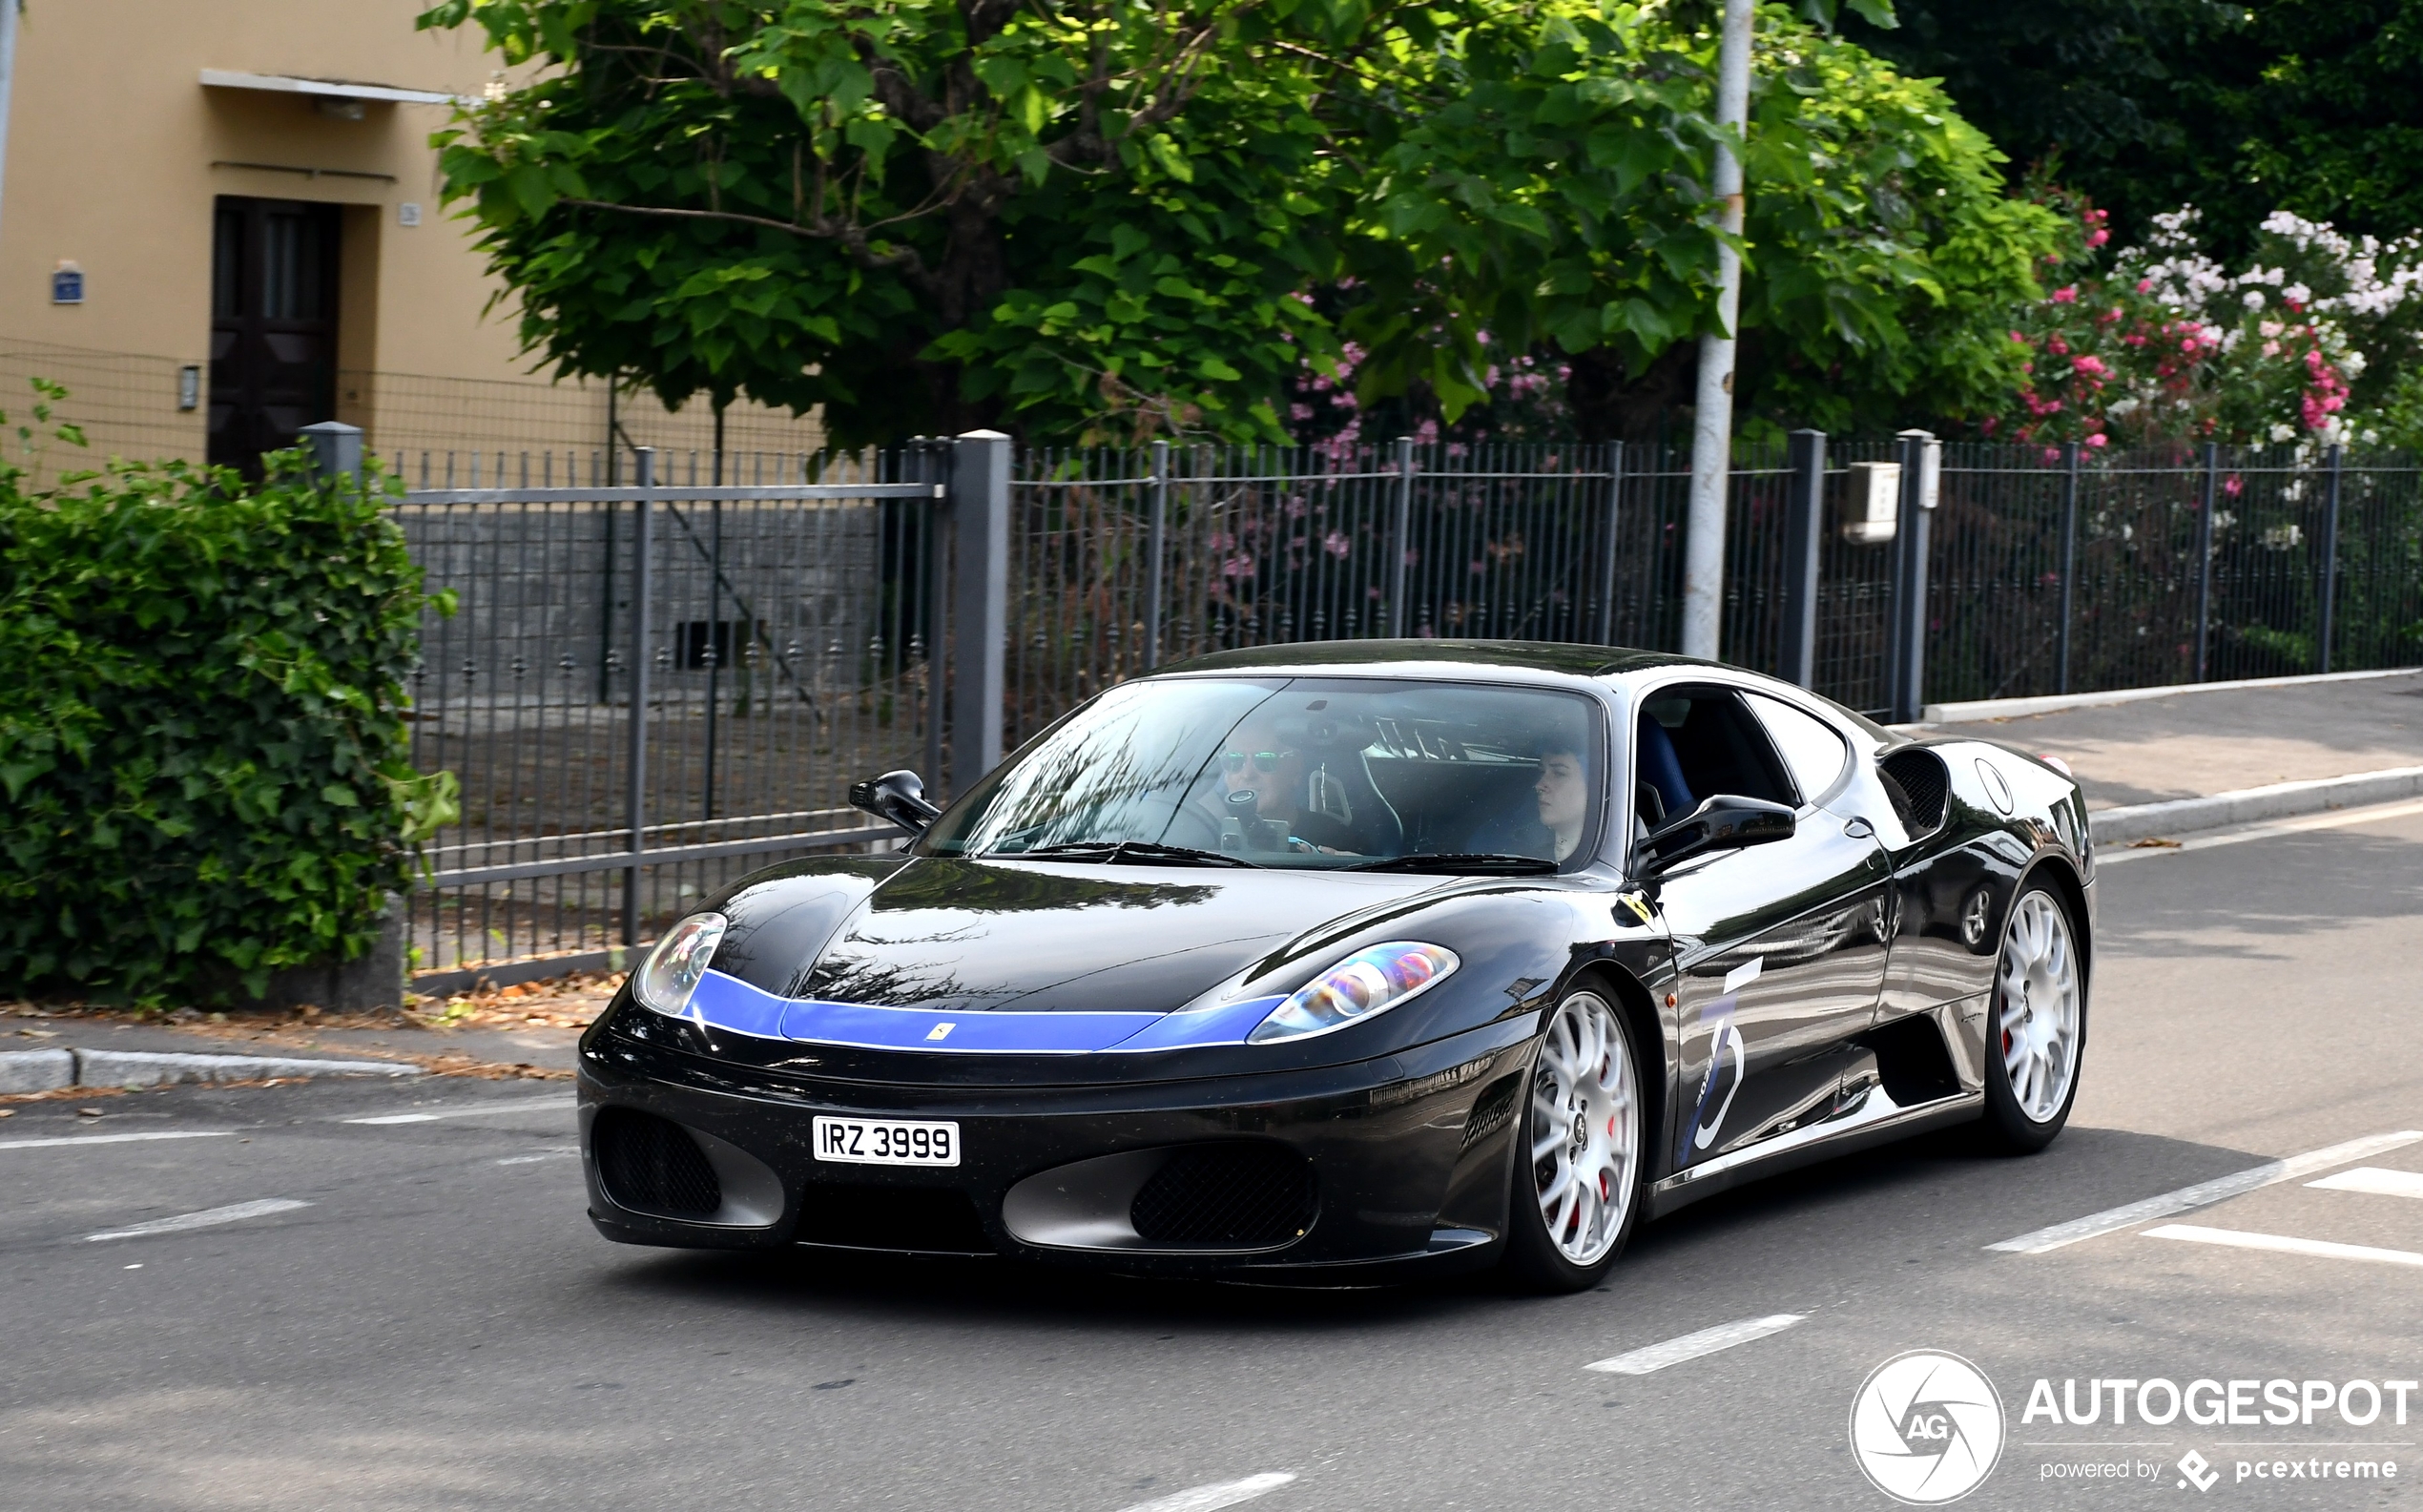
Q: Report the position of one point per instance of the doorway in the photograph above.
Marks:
(273, 365)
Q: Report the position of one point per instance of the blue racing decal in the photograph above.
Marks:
(1227, 1025)
(728, 1002)
(1725, 1043)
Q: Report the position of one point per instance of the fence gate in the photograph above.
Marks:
(649, 687)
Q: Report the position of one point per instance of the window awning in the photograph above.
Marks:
(339, 89)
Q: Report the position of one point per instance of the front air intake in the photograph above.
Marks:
(651, 1165)
(1227, 1196)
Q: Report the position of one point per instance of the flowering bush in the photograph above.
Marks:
(2311, 342)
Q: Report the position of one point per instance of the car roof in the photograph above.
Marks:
(1366, 656)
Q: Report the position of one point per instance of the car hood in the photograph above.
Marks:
(956, 935)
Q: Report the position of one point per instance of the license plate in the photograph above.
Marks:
(884, 1141)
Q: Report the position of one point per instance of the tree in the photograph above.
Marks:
(1090, 218)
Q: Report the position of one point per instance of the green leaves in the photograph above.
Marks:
(201, 739)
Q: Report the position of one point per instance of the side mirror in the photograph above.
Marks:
(1722, 823)
(897, 797)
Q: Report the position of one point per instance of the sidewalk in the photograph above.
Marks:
(2196, 744)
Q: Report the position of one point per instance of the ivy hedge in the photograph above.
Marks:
(202, 740)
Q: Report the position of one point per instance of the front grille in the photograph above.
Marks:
(1236, 1196)
(932, 1219)
(651, 1165)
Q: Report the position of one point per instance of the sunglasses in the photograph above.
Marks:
(1263, 760)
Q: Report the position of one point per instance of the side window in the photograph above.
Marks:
(1694, 743)
(1812, 750)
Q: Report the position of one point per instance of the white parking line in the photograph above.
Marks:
(116, 1139)
(2283, 1244)
(236, 1212)
(2375, 1180)
(1691, 1346)
(525, 1106)
(2205, 1193)
(1207, 1497)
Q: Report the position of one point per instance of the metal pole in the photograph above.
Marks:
(2330, 559)
(2070, 454)
(635, 790)
(1804, 525)
(714, 614)
(1401, 537)
(1606, 558)
(1922, 456)
(924, 461)
(2205, 559)
(1156, 547)
(1712, 408)
(980, 608)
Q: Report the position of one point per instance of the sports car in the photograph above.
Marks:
(1349, 962)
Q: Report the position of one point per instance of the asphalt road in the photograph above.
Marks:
(440, 1328)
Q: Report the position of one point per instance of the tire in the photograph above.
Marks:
(2035, 1041)
(1578, 1151)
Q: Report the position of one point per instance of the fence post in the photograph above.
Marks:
(980, 602)
(1606, 558)
(1921, 463)
(921, 461)
(2070, 452)
(1401, 537)
(2330, 559)
(635, 790)
(1155, 546)
(336, 448)
(1804, 523)
(2205, 559)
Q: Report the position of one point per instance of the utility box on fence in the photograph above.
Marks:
(1873, 509)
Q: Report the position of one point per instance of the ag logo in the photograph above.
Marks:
(1926, 1427)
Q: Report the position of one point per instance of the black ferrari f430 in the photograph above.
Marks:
(1347, 962)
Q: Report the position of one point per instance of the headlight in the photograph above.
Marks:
(1357, 987)
(673, 969)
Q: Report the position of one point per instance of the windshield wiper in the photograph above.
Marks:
(1141, 853)
(1483, 863)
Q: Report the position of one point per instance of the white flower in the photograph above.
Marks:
(2254, 299)
(2370, 437)
(2283, 432)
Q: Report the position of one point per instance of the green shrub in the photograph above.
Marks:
(202, 747)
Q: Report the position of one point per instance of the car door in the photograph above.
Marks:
(1780, 948)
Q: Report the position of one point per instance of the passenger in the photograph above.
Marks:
(1257, 760)
(1551, 829)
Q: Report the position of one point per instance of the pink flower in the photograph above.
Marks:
(2068, 296)
(2144, 285)
(2017, 337)
(1337, 545)
(2092, 366)
(2099, 239)
(2094, 440)
(2233, 485)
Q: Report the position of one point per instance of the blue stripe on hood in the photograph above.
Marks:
(728, 1002)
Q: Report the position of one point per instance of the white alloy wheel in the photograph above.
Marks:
(1585, 1130)
(2039, 1002)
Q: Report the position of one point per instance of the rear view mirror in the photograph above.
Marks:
(1721, 824)
(898, 798)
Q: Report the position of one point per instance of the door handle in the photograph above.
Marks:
(1859, 829)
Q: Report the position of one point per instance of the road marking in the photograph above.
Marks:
(532, 1160)
(237, 1213)
(2283, 1244)
(2113, 853)
(1691, 1346)
(116, 1139)
(2374, 1180)
(2205, 1193)
(1207, 1497)
(525, 1106)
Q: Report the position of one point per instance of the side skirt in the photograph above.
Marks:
(1877, 1119)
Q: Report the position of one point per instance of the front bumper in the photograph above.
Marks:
(1406, 1175)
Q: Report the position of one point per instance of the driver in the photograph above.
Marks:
(1257, 759)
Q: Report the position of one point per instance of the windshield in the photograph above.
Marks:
(1299, 773)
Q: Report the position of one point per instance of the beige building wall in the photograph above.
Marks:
(116, 153)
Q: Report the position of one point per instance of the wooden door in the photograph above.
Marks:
(273, 325)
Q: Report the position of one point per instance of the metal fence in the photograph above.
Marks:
(647, 688)
(828, 619)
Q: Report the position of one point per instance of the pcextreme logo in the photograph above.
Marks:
(1926, 1427)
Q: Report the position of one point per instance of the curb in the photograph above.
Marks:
(2055, 703)
(2139, 821)
(49, 1070)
